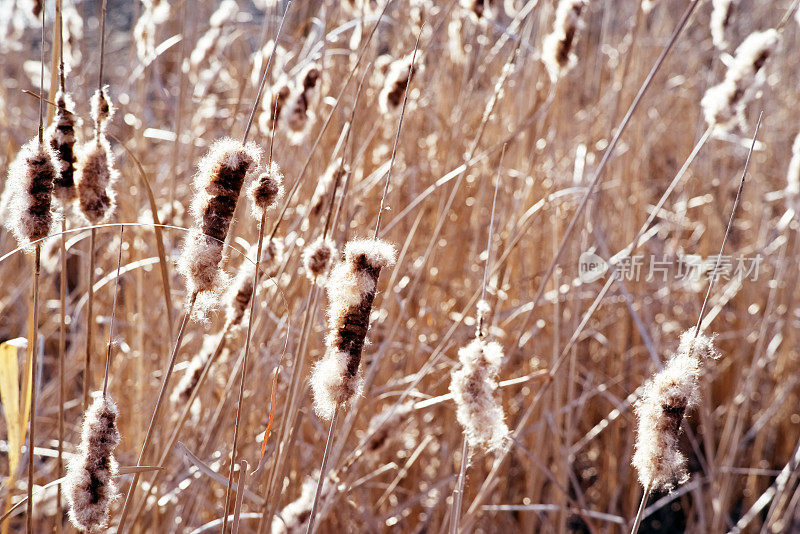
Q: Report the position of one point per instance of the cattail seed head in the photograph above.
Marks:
(473, 386)
(90, 487)
(293, 518)
(102, 109)
(218, 182)
(95, 176)
(61, 139)
(725, 102)
(557, 47)
(272, 104)
(300, 116)
(318, 257)
(720, 18)
(394, 87)
(266, 190)
(183, 390)
(335, 171)
(665, 399)
(30, 190)
(351, 289)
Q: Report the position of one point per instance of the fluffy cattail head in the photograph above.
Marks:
(102, 109)
(61, 139)
(557, 47)
(473, 386)
(720, 18)
(293, 519)
(272, 104)
(180, 395)
(218, 182)
(665, 399)
(351, 289)
(95, 176)
(725, 102)
(394, 87)
(318, 257)
(300, 116)
(266, 190)
(332, 175)
(90, 487)
(384, 426)
(30, 183)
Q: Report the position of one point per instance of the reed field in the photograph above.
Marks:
(418, 266)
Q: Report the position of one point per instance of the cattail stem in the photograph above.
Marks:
(154, 417)
(638, 520)
(87, 362)
(62, 343)
(458, 493)
(323, 471)
(237, 509)
(113, 314)
(397, 135)
(187, 408)
(33, 356)
(244, 370)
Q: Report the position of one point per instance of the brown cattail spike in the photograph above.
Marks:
(557, 47)
(90, 487)
(664, 402)
(351, 290)
(61, 138)
(266, 190)
(394, 88)
(30, 183)
(272, 104)
(299, 114)
(218, 182)
(724, 103)
(102, 109)
(95, 176)
(318, 257)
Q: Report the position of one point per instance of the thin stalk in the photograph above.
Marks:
(727, 233)
(181, 421)
(87, 362)
(62, 344)
(244, 370)
(322, 471)
(33, 356)
(113, 315)
(154, 417)
(458, 493)
(397, 135)
(237, 509)
(638, 520)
